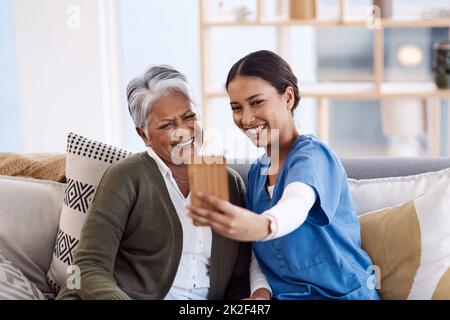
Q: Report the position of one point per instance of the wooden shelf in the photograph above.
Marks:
(402, 22)
(284, 23)
(339, 90)
(362, 90)
(413, 89)
(414, 23)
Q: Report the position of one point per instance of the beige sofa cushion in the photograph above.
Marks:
(410, 244)
(29, 215)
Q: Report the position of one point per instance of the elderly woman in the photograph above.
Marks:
(137, 241)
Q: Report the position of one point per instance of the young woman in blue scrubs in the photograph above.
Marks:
(299, 211)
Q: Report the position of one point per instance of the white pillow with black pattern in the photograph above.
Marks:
(86, 162)
(14, 285)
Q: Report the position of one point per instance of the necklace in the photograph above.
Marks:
(180, 181)
(184, 183)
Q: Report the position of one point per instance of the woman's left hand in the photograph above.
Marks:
(229, 220)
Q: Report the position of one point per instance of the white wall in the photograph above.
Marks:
(67, 76)
(158, 32)
(9, 105)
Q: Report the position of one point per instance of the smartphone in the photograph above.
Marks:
(208, 175)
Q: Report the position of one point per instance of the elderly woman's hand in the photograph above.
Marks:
(229, 220)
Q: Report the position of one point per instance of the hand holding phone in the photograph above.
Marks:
(211, 177)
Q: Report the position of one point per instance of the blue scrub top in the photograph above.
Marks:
(323, 258)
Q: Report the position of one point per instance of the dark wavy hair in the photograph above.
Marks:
(269, 66)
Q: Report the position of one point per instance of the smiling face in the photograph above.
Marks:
(173, 129)
(260, 111)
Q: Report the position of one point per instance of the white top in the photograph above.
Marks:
(270, 190)
(292, 209)
(192, 277)
(288, 214)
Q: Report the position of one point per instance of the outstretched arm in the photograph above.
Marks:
(243, 225)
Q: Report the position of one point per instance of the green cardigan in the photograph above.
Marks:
(131, 241)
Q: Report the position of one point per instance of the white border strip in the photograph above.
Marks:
(110, 66)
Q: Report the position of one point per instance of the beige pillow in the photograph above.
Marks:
(29, 218)
(410, 244)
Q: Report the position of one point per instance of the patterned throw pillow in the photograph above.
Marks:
(86, 163)
(410, 244)
(14, 285)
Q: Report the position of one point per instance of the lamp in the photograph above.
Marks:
(403, 121)
(409, 55)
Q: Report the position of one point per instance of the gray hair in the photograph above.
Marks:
(156, 82)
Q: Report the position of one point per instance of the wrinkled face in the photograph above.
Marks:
(173, 129)
(259, 110)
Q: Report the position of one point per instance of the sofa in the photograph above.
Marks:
(29, 228)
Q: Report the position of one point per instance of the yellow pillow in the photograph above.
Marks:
(410, 244)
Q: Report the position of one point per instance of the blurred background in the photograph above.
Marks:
(373, 74)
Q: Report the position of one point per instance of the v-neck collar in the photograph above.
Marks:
(265, 164)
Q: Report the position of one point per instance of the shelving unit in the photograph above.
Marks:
(384, 23)
(324, 92)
